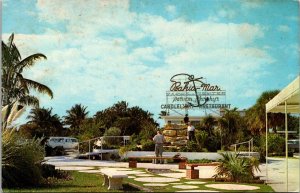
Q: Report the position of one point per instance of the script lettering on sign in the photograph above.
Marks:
(187, 91)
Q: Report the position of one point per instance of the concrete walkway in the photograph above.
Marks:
(276, 169)
(277, 174)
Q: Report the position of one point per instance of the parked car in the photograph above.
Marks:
(293, 145)
(59, 145)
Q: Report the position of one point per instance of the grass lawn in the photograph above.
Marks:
(85, 182)
(82, 182)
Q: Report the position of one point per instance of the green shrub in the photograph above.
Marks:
(148, 145)
(276, 144)
(201, 137)
(235, 168)
(111, 141)
(191, 146)
(213, 143)
(200, 161)
(49, 171)
(21, 159)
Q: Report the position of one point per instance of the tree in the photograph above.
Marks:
(208, 124)
(256, 115)
(129, 120)
(231, 125)
(15, 87)
(75, 116)
(45, 123)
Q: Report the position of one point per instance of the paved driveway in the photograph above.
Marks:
(277, 174)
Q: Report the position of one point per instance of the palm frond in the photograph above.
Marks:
(29, 100)
(10, 40)
(29, 61)
(38, 86)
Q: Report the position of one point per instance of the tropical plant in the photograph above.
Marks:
(201, 137)
(236, 169)
(256, 115)
(15, 87)
(44, 123)
(147, 145)
(20, 157)
(208, 124)
(191, 146)
(230, 124)
(276, 143)
(11, 113)
(109, 139)
(88, 129)
(129, 120)
(75, 116)
(21, 160)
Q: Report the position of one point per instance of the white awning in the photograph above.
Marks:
(290, 94)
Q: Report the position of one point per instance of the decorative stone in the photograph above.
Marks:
(185, 186)
(232, 187)
(156, 179)
(153, 184)
(195, 182)
(129, 172)
(122, 169)
(131, 177)
(173, 175)
(144, 175)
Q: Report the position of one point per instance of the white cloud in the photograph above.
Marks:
(171, 9)
(251, 4)
(94, 62)
(283, 28)
(134, 35)
(227, 13)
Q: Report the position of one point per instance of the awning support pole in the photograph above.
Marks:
(286, 147)
(266, 146)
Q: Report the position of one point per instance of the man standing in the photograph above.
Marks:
(159, 142)
(186, 119)
(191, 132)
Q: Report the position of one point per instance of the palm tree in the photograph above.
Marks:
(15, 87)
(208, 124)
(230, 124)
(75, 116)
(45, 123)
(256, 115)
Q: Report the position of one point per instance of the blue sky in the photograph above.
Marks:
(101, 52)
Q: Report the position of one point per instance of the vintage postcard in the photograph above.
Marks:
(149, 95)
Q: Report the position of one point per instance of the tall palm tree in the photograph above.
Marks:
(230, 124)
(208, 124)
(45, 123)
(15, 87)
(256, 115)
(75, 116)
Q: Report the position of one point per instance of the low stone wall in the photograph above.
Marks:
(189, 155)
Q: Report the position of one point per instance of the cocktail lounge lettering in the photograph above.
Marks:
(188, 92)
